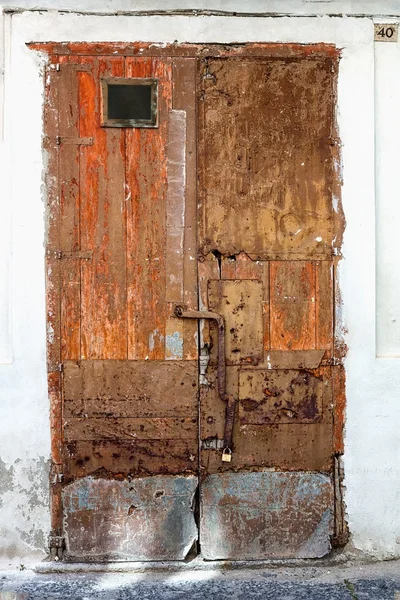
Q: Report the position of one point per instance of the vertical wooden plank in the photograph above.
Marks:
(266, 304)
(324, 305)
(184, 98)
(292, 305)
(175, 222)
(69, 209)
(104, 331)
(146, 180)
(53, 285)
(339, 395)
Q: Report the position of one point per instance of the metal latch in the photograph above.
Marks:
(182, 313)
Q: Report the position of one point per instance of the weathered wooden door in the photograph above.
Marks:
(225, 203)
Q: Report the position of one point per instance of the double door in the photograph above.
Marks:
(195, 384)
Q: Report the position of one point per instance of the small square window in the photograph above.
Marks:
(129, 102)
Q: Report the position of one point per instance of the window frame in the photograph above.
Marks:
(149, 81)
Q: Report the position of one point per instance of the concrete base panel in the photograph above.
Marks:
(253, 516)
(139, 520)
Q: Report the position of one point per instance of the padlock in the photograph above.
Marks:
(226, 455)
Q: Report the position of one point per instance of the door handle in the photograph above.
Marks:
(182, 313)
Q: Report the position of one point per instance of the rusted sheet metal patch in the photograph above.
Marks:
(266, 166)
(143, 519)
(250, 516)
(280, 397)
(240, 304)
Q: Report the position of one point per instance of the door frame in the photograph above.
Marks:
(53, 284)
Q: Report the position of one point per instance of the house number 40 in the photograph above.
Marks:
(385, 32)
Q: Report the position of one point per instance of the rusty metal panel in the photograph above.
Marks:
(280, 397)
(250, 516)
(292, 445)
(240, 304)
(142, 519)
(266, 162)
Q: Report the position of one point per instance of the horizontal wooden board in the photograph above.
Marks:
(151, 381)
(130, 389)
(129, 457)
(125, 429)
(185, 50)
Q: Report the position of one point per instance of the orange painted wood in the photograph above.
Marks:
(146, 188)
(292, 305)
(324, 305)
(102, 169)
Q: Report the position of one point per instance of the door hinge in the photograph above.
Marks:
(56, 476)
(72, 254)
(59, 140)
(341, 530)
(56, 541)
(56, 545)
(74, 141)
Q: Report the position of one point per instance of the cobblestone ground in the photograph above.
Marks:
(375, 581)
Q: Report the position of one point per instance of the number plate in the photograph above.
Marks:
(385, 32)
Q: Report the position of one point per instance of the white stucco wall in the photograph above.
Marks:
(369, 126)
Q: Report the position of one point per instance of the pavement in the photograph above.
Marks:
(312, 580)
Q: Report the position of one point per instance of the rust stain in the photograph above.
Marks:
(284, 396)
